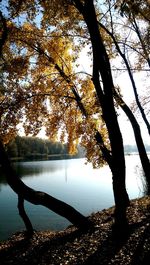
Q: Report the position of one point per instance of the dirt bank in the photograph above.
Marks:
(98, 246)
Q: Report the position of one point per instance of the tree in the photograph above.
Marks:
(137, 21)
(39, 69)
(12, 150)
(38, 198)
(136, 128)
(101, 68)
(138, 138)
(23, 191)
(52, 78)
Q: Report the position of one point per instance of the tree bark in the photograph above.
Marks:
(130, 75)
(38, 197)
(138, 137)
(24, 216)
(101, 67)
(4, 32)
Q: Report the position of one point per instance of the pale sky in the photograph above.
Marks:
(128, 96)
(126, 89)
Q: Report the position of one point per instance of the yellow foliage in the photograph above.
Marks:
(41, 87)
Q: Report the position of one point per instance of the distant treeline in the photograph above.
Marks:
(33, 148)
(133, 148)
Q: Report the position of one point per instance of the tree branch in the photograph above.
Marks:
(38, 197)
(4, 32)
(24, 216)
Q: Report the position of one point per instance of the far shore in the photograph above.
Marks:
(57, 157)
(44, 157)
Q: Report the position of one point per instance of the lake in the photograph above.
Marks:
(86, 189)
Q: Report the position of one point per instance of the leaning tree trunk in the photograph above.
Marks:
(38, 198)
(123, 56)
(101, 67)
(138, 137)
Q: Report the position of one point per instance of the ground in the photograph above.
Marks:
(100, 245)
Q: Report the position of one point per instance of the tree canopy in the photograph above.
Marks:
(39, 67)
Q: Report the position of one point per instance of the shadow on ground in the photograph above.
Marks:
(99, 246)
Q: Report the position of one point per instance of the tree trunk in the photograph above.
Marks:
(38, 197)
(139, 141)
(130, 75)
(24, 216)
(101, 67)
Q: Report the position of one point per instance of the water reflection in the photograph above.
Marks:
(86, 189)
(31, 169)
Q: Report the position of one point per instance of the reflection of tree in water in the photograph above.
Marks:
(28, 169)
(37, 167)
(22, 171)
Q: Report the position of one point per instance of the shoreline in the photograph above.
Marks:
(98, 246)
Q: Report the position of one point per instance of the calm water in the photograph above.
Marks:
(85, 188)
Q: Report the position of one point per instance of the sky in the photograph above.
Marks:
(122, 79)
(129, 97)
